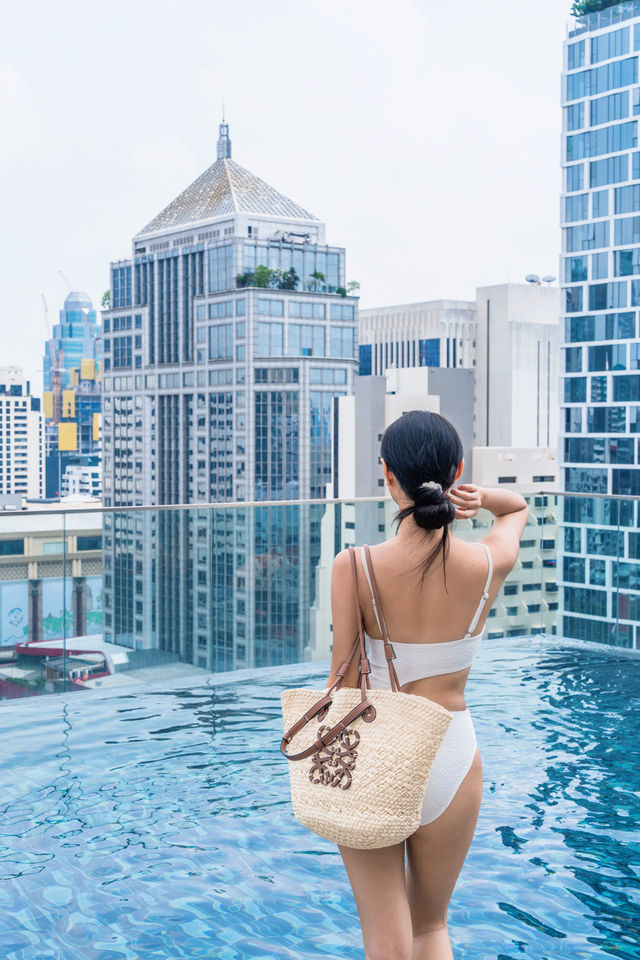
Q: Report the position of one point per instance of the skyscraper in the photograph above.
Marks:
(72, 392)
(229, 335)
(600, 398)
(21, 446)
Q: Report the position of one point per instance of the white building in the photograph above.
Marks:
(21, 443)
(433, 333)
(79, 479)
(517, 349)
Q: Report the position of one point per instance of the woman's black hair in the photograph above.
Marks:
(420, 447)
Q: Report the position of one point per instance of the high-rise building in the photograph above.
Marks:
(516, 365)
(228, 337)
(600, 400)
(72, 392)
(21, 441)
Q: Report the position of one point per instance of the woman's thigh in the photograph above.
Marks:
(437, 851)
(378, 882)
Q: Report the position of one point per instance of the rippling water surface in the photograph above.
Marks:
(157, 824)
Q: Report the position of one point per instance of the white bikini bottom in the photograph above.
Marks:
(451, 765)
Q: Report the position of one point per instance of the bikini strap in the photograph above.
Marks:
(485, 593)
(389, 652)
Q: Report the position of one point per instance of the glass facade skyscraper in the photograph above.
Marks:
(600, 395)
(72, 398)
(228, 338)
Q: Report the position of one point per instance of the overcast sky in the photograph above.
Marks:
(426, 135)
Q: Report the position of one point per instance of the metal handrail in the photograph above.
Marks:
(244, 504)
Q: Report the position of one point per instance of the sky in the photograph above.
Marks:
(426, 135)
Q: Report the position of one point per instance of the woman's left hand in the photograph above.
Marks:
(467, 499)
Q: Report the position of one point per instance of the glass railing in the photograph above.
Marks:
(605, 18)
(93, 599)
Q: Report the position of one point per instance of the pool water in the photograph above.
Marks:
(157, 824)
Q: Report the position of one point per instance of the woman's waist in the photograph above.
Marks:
(448, 691)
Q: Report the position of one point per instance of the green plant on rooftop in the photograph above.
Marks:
(105, 303)
(244, 279)
(285, 279)
(316, 277)
(342, 291)
(263, 276)
(581, 7)
(352, 287)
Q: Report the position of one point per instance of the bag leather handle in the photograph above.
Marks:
(359, 710)
(365, 709)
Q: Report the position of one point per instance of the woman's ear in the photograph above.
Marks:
(459, 470)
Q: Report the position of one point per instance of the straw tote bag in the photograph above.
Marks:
(359, 777)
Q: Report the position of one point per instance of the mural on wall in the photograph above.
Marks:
(94, 604)
(57, 621)
(14, 612)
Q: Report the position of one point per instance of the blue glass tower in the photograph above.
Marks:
(72, 391)
(600, 397)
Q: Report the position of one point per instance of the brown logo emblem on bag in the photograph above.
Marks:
(334, 764)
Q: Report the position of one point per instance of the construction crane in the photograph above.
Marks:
(65, 280)
(56, 367)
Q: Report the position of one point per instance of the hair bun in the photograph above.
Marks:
(432, 508)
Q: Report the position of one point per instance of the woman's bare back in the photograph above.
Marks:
(423, 612)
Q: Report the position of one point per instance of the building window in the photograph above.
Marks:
(270, 337)
(11, 547)
(220, 268)
(342, 311)
(306, 340)
(307, 310)
(89, 543)
(221, 341)
(342, 342)
(121, 352)
(270, 308)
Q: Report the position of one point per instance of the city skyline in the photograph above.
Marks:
(390, 183)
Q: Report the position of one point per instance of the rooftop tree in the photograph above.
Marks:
(582, 7)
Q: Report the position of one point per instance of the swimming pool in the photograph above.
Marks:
(156, 824)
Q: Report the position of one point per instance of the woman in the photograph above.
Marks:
(436, 592)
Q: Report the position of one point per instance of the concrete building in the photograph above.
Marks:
(600, 272)
(21, 437)
(517, 349)
(377, 401)
(82, 480)
(50, 579)
(229, 336)
(72, 392)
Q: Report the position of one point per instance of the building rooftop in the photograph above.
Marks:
(223, 189)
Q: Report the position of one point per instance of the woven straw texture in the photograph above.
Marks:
(383, 803)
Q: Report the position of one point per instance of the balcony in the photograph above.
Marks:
(145, 803)
(605, 18)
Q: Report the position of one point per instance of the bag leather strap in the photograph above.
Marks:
(320, 708)
(389, 652)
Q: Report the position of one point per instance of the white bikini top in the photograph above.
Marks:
(417, 661)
